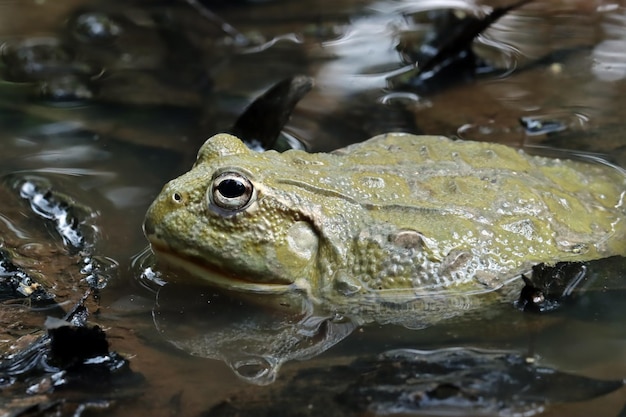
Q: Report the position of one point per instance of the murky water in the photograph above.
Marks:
(107, 113)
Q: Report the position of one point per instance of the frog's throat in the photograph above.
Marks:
(219, 278)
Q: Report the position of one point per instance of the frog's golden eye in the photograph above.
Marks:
(231, 191)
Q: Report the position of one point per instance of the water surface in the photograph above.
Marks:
(109, 116)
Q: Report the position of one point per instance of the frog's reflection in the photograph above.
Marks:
(252, 340)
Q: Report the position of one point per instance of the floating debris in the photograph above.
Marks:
(550, 286)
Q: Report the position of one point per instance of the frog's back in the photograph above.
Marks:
(475, 206)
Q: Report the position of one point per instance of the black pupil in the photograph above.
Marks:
(230, 188)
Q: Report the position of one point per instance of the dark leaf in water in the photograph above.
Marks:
(550, 286)
(448, 56)
(409, 382)
(458, 37)
(70, 345)
(34, 357)
(261, 123)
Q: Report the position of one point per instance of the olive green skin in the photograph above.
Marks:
(387, 221)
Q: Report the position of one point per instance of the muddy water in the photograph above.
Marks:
(147, 96)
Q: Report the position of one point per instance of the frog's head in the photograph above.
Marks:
(226, 222)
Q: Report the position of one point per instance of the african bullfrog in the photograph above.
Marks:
(393, 219)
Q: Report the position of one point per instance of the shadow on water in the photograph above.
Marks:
(101, 103)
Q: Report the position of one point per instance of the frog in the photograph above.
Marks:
(400, 224)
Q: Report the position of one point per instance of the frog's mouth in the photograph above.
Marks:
(216, 276)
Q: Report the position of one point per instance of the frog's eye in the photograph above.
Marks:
(231, 191)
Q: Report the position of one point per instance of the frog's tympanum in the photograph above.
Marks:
(380, 223)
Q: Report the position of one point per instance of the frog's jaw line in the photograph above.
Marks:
(213, 276)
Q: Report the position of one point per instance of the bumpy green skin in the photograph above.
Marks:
(396, 218)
